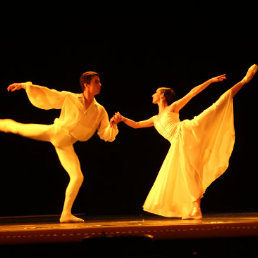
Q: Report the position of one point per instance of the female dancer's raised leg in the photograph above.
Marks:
(248, 77)
(196, 210)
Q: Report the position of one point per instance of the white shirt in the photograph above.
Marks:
(80, 122)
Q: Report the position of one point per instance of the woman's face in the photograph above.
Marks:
(156, 97)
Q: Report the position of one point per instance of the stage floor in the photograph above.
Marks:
(35, 230)
(221, 235)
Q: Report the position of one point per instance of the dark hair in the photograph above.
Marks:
(169, 94)
(86, 78)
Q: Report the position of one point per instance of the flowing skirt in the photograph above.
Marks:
(199, 153)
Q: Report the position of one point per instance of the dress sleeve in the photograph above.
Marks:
(45, 98)
(105, 131)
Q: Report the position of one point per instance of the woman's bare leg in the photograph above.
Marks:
(71, 164)
(249, 76)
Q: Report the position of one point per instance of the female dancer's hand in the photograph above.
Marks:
(219, 78)
(117, 118)
(16, 86)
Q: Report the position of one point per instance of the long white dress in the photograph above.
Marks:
(199, 153)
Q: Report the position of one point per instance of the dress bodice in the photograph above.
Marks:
(166, 123)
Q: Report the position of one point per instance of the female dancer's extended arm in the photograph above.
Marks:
(117, 118)
(179, 104)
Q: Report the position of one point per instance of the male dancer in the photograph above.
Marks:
(81, 116)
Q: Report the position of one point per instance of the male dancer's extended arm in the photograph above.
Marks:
(40, 96)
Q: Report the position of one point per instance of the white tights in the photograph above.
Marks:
(63, 143)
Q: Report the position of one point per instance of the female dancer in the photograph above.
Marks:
(200, 148)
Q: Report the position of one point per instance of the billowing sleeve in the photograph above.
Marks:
(45, 98)
(105, 131)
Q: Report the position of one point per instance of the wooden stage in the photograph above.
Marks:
(151, 235)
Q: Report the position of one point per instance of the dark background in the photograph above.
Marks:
(135, 49)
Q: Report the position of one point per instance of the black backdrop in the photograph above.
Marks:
(135, 51)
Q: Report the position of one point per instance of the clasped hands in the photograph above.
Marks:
(117, 118)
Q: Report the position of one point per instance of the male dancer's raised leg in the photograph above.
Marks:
(33, 131)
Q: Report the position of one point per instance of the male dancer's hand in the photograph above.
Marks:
(16, 86)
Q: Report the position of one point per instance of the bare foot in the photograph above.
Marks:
(250, 73)
(70, 219)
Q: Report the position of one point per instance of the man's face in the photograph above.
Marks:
(94, 86)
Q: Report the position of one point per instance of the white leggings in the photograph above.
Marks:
(63, 143)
